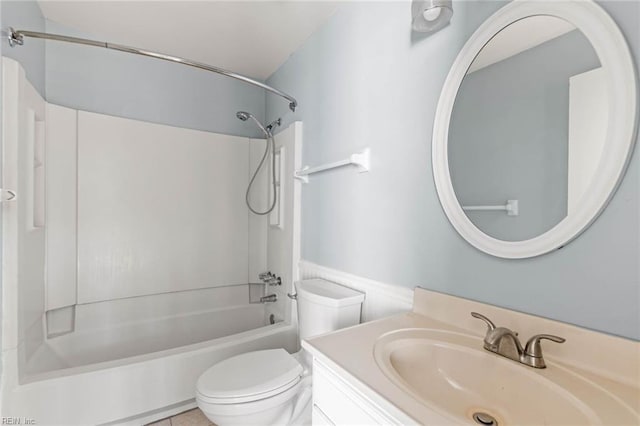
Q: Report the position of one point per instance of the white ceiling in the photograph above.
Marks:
(520, 36)
(249, 37)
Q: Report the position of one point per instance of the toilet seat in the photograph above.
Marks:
(249, 377)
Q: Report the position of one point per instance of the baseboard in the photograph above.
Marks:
(381, 299)
(156, 415)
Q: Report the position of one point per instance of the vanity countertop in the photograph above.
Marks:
(350, 352)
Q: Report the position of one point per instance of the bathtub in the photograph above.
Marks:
(122, 365)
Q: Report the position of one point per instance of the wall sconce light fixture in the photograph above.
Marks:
(430, 15)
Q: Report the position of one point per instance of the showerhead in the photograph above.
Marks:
(244, 116)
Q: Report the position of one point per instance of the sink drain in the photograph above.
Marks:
(485, 419)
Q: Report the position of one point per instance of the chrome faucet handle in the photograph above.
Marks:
(265, 275)
(489, 323)
(534, 348)
(273, 281)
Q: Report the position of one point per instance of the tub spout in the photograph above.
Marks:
(269, 298)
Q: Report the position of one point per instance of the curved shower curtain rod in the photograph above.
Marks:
(16, 37)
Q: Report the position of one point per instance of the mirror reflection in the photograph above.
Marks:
(528, 128)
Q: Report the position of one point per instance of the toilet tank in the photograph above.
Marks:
(325, 306)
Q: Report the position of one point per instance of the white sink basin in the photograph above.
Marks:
(452, 374)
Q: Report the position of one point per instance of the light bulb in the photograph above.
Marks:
(432, 13)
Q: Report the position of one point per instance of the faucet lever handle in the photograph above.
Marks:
(265, 275)
(489, 323)
(533, 347)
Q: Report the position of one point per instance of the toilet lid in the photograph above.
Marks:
(250, 376)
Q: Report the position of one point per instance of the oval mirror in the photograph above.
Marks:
(534, 127)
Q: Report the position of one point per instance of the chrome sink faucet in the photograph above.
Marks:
(505, 342)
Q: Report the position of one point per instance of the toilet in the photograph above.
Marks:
(271, 386)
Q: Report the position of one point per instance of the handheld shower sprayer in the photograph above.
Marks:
(244, 116)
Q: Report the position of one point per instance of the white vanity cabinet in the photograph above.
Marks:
(338, 401)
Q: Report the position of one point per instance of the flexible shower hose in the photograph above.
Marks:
(270, 142)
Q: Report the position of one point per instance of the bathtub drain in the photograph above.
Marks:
(485, 419)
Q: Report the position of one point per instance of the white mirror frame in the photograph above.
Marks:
(613, 52)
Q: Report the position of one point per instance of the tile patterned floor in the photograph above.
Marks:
(193, 417)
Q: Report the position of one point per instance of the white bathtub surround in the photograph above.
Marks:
(23, 237)
(61, 205)
(160, 208)
(595, 371)
(381, 300)
(124, 328)
(157, 209)
(60, 321)
(130, 388)
(136, 360)
(150, 282)
(283, 241)
(259, 197)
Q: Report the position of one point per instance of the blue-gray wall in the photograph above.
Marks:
(26, 15)
(509, 135)
(125, 85)
(365, 80)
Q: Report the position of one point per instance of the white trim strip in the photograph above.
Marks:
(381, 299)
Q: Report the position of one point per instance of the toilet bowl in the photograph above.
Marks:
(264, 387)
(273, 387)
